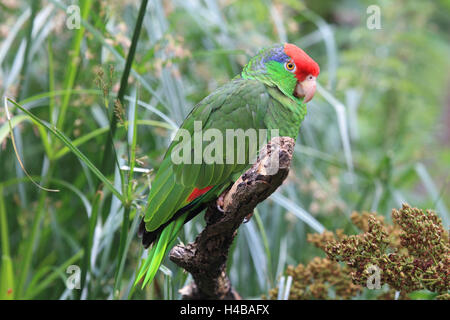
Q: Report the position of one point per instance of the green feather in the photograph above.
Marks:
(217, 175)
(206, 175)
(190, 174)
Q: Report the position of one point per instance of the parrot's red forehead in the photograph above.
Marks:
(304, 63)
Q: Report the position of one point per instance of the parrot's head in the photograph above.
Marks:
(286, 66)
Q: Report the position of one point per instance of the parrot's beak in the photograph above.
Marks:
(306, 88)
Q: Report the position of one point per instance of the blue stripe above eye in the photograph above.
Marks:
(276, 54)
(258, 63)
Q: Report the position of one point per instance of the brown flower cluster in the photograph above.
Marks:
(412, 254)
(317, 278)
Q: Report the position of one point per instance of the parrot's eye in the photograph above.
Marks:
(290, 66)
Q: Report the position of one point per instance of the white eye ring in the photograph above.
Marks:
(290, 66)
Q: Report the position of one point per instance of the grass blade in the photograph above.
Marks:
(6, 273)
(61, 136)
(107, 164)
(73, 63)
(298, 212)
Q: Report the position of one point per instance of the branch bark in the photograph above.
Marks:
(206, 257)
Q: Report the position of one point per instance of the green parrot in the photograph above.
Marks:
(270, 93)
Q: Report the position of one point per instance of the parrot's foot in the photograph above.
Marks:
(221, 202)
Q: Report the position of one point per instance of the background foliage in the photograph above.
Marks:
(376, 134)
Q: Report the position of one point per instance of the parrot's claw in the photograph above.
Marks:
(248, 217)
(220, 203)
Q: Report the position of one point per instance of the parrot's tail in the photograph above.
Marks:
(161, 239)
(148, 237)
(156, 254)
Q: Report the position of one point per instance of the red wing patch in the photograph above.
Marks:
(197, 193)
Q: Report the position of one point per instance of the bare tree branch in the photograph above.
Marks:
(206, 258)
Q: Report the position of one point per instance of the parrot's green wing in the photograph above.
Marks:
(240, 104)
